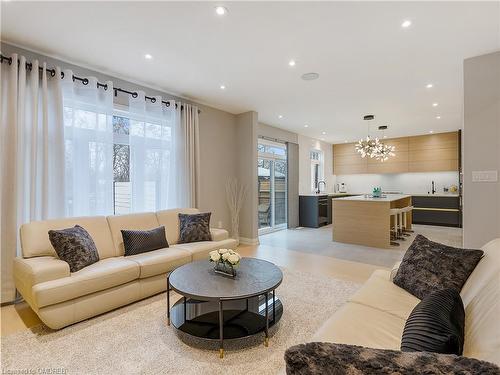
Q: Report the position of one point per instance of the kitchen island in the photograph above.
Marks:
(364, 220)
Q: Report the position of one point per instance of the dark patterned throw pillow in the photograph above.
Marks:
(142, 241)
(75, 246)
(436, 324)
(194, 228)
(429, 266)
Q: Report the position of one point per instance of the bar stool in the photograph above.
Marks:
(405, 211)
(395, 218)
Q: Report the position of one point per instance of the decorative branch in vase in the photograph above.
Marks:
(235, 194)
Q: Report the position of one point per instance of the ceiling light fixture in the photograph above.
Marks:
(435, 104)
(345, 141)
(406, 24)
(306, 126)
(372, 147)
(147, 56)
(291, 63)
(280, 116)
(431, 131)
(222, 87)
(429, 86)
(438, 117)
(324, 133)
(220, 10)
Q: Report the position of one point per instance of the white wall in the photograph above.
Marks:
(409, 183)
(307, 144)
(481, 148)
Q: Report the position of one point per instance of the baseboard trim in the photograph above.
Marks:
(249, 241)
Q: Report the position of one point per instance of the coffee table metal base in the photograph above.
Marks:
(226, 319)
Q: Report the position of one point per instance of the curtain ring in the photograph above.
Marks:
(52, 72)
(85, 81)
(135, 94)
(167, 104)
(105, 86)
(62, 75)
(153, 100)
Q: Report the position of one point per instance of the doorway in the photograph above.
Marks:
(272, 186)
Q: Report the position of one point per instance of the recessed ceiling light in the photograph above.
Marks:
(385, 136)
(345, 141)
(435, 104)
(429, 86)
(291, 63)
(322, 139)
(324, 133)
(406, 23)
(280, 116)
(431, 131)
(147, 56)
(438, 117)
(222, 87)
(306, 126)
(220, 10)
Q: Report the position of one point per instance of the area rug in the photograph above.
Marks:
(136, 339)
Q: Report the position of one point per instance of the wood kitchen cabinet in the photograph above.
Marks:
(424, 153)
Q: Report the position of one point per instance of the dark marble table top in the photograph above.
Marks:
(199, 280)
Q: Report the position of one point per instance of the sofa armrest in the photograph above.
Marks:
(219, 234)
(32, 271)
(329, 358)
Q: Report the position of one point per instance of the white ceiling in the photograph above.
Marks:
(367, 62)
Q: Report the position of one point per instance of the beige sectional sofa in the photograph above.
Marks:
(375, 316)
(61, 298)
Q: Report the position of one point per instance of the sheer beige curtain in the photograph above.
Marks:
(189, 151)
(31, 155)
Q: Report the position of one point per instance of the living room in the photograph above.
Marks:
(164, 213)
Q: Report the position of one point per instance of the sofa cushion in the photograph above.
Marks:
(381, 294)
(200, 250)
(481, 297)
(357, 324)
(337, 359)
(141, 221)
(75, 246)
(142, 241)
(219, 234)
(35, 235)
(98, 276)
(429, 266)
(194, 227)
(160, 261)
(436, 324)
(170, 219)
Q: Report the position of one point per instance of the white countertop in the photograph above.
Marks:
(384, 198)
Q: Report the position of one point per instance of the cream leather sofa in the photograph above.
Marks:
(61, 298)
(375, 315)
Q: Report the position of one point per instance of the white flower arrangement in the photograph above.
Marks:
(226, 256)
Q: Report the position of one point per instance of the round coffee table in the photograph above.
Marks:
(217, 307)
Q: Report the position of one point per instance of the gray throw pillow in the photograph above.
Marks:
(429, 266)
(75, 246)
(142, 241)
(194, 228)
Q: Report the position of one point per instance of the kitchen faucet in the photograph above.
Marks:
(318, 189)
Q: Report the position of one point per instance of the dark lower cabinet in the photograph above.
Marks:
(313, 211)
(436, 210)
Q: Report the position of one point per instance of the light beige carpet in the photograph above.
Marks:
(136, 340)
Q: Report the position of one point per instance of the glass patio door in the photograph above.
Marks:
(272, 186)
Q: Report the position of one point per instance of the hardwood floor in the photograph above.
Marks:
(305, 250)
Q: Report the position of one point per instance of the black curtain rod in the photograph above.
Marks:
(85, 81)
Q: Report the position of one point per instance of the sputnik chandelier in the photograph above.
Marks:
(373, 147)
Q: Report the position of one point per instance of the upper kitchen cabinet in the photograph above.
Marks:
(346, 160)
(434, 152)
(424, 153)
